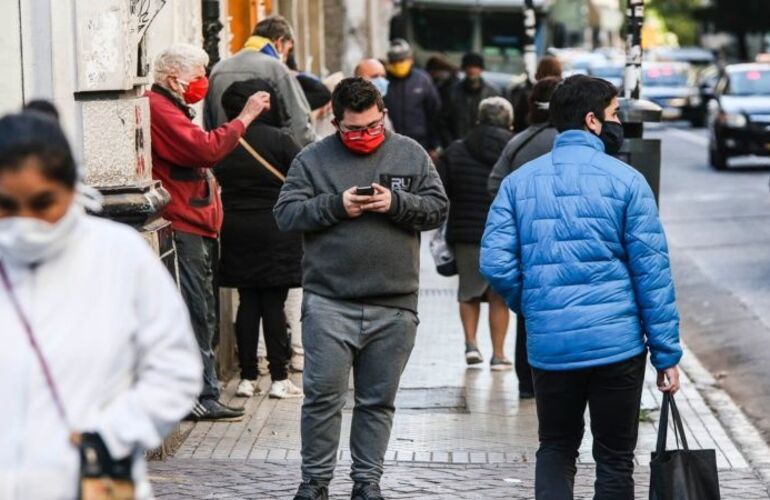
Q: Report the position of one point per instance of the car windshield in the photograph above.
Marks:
(753, 82)
(664, 76)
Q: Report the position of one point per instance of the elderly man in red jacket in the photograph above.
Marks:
(182, 157)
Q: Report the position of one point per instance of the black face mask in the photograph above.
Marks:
(612, 137)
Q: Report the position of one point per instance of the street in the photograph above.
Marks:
(463, 433)
(718, 222)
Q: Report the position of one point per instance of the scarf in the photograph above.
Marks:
(262, 44)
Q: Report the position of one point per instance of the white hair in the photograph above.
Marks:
(179, 59)
(496, 111)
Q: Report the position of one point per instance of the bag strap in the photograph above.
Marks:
(670, 404)
(261, 160)
(35, 346)
(528, 140)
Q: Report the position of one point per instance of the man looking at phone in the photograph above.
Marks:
(360, 276)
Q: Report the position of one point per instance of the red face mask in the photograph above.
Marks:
(196, 89)
(364, 141)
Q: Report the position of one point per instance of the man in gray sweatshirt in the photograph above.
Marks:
(361, 198)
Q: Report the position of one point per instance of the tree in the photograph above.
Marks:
(741, 17)
(678, 17)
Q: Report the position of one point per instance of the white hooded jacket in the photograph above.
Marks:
(117, 338)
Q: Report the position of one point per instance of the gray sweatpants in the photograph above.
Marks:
(376, 343)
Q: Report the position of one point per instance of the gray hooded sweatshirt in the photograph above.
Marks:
(374, 258)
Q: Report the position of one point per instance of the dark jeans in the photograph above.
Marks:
(613, 394)
(197, 257)
(262, 305)
(523, 370)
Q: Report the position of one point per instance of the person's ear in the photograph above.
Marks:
(592, 123)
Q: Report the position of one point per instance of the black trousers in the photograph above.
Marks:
(197, 258)
(613, 394)
(263, 305)
(521, 362)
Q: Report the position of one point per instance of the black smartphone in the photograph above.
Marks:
(365, 191)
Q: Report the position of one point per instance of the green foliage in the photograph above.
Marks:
(678, 18)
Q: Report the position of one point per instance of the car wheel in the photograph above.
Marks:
(718, 157)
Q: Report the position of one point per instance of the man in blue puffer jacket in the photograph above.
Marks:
(574, 243)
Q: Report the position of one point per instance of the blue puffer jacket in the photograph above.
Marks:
(574, 242)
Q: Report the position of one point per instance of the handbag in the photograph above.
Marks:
(101, 477)
(262, 161)
(681, 474)
(442, 253)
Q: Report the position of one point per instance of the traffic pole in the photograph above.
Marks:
(530, 30)
(633, 79)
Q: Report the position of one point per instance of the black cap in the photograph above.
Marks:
(472, 59)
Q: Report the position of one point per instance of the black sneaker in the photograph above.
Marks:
(312, 490)
(211, 409)
(366, 491)
(526, 393)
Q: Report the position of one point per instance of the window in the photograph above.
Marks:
(752, 82)
(443, 31)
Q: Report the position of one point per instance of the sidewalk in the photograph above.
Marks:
(458, 433)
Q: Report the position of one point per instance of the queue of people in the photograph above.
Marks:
(297, 226)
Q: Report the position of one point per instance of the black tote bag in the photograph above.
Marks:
(681, 474)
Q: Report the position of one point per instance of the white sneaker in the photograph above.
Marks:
(297, 363)
(285, 389)
(247, 388)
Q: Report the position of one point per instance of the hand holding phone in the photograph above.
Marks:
(364, 190)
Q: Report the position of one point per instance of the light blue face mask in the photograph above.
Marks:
(382, 85)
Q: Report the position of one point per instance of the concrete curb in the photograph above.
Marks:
(738, 427)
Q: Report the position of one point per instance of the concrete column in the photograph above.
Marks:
(317, 39)
(11, 57)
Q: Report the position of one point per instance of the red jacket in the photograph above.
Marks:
(182, 156)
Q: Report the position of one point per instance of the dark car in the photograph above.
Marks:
(673, 87)
(739, 114)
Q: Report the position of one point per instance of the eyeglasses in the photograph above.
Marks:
(372, 131)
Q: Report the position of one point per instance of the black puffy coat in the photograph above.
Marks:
(463, 111)
(465, 167)
(255, 253)
(413, 106)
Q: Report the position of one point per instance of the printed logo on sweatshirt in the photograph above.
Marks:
(397, 182)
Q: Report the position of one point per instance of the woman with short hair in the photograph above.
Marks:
(465, 168)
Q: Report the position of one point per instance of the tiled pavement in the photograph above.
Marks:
(458, 433)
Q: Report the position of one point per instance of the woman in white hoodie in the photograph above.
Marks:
(97, 343)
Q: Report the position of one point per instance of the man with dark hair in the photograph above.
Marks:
(575, 244)
(263, 57)
(464, 99)
(361, 198)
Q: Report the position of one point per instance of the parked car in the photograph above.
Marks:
(673, 87)
(613, 73)
(739, 114)
(703, 62)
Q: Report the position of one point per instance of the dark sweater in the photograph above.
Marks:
(374, 258)
(465, 168)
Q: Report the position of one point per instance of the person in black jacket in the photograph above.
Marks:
(262, 262)
(465, 96)
(444, 75)
(465, 168)
(412, 100)
(549, 66)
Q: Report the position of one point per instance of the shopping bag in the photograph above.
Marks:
(442, 253)
(681, 474)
